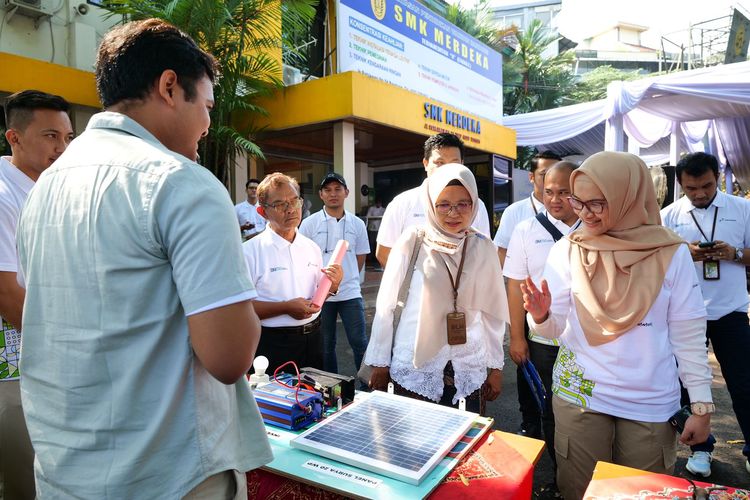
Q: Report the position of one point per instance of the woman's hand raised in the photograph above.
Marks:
(537, 302)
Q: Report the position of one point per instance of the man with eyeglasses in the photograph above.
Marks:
(517, 212)
(406, 209)
(326, 228)
(716, 226)
(286, 268)
(530, 243)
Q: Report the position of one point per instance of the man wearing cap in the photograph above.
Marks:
(326, 228)
(286, 268)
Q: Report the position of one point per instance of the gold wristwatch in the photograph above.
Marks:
(700, 409)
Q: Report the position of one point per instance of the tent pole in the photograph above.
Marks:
(675, 138)
(614, 136)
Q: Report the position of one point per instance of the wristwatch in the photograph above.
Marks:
(700, 409)
(738, 254)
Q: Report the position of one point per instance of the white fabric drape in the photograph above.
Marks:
(699, 100)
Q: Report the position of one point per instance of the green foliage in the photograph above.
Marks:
(242, 36)
(593, 85)
(532, 81)
(4, 146)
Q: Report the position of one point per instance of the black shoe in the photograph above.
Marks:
(530, 431)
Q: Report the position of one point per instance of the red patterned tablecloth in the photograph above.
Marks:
(501, 467)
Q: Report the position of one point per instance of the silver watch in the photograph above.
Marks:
(738, 254)
(700, 409)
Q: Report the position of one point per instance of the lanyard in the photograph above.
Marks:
(455, 283)
(713, 227)
(325, 222)
(533, 207)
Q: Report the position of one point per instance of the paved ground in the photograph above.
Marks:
(728, 465)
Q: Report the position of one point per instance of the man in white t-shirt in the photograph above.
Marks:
(247, 212)
(526, 257)
(717, 228)
(286, 268)
(406, 209)
(527, 207)
(326, 228)
(38, 132)
(517, 212)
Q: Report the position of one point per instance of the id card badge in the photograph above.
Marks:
(456, 328)
(711, 270)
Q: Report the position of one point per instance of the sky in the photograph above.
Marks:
(670, 18)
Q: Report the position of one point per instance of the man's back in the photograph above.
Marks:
(115, 250)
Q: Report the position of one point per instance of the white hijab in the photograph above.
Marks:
(481, 286)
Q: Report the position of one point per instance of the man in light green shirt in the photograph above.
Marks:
(138, 323)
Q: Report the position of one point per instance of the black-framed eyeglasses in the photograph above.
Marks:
(594, 206)
(283, 206)
(462, 207)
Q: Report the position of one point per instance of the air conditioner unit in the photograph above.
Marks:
(29, 8)
(291, 75)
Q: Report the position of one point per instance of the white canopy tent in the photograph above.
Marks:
(704, 109)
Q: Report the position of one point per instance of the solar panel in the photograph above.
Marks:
(392, 435)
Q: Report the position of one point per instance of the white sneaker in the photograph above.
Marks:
(699, 463)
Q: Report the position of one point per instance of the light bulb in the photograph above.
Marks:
(260, 365)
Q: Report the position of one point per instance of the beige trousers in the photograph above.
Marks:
(16, 453)
(584, 436)
(227, 485)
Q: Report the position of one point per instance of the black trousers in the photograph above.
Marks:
(304, 349)
(730, 338)
(543, 356)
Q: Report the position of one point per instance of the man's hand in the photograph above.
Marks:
(379, 378)
(301, 308)
(519, 350)
(696, 431)
(335, 273)
(493, 385)
(537, 302)
(721, 251)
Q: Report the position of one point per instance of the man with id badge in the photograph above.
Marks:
(326, 228)
(717, 228)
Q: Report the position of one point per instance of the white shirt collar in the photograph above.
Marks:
(15, 175)
(277, 240)
(719, 201)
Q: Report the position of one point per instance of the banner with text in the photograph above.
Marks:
(408, 45)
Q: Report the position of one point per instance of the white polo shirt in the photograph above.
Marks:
(634, 376)
(14, 189)
(729, 293)
(527, 255)
(406, 210)
(521, 210)
(326, 231)
(283, 271)
(249, 213)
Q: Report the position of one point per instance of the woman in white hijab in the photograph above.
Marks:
(432, 356)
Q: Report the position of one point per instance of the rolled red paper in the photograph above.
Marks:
(337, 257)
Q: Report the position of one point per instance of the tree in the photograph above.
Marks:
(532, 81)
(244, 37)
(593, 85)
